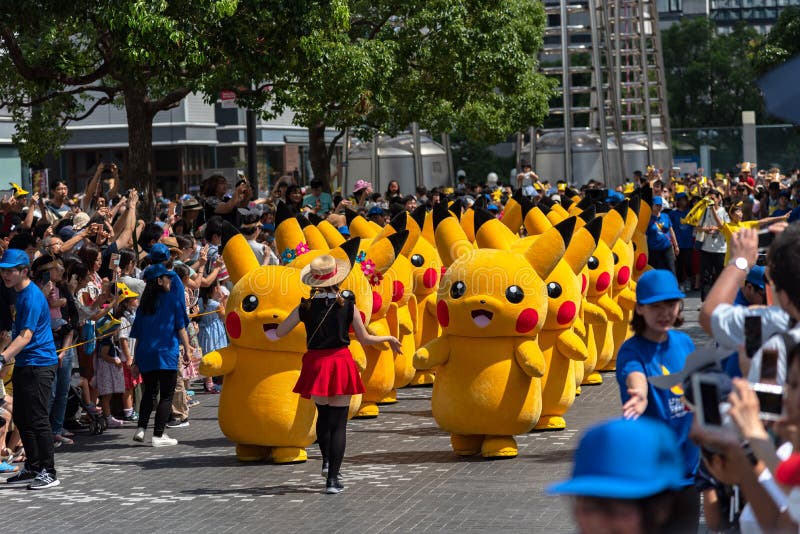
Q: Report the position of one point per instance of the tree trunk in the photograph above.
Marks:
(318, 155)
(139, 173)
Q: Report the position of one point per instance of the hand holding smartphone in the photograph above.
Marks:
(753, 335)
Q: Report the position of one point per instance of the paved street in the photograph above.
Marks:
(399, 472)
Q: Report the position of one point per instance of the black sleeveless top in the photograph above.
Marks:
(333, 331)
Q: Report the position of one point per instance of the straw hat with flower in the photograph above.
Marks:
(325, 271)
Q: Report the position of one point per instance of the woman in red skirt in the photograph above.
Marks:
(329, 375)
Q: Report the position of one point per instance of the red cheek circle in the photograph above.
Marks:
(566, 312)
(233, 325)
(442, 313)
(624, 275)
(527, 320)
(443, 270)
(429, 278)
(398, 289)
(603, 281)
(584, 282)
(377, 302)
(641, 262)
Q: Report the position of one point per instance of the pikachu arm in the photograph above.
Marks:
(393, 318)
(626, 299)
(570, 345)
(613, 311)
(404, 321)
(579, 327)
(430, 304)
(380, 328)
(219, 362)
(412, 310)
(358, 354)
(434, 354)
(530, 358)
(593, 314)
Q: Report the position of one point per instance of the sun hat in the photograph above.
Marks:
(657, 285)
(756, 276)
(159, 253)
(624, 459)
(699, 359)
(324, 271)
(361, 184)
(14, 257)
(155, 271)
(172, 243)
(80, 220)
(190, 204)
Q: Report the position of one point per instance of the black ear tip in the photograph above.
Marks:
(399, 221)
(350, 248)
(482, 216)
(622, 208)
(566, 227)
(419, 215)
(314, 218)
(398, 240)
(349, 215)
(282, 213)
(228, 232)
(303, 220)
(595, 227)
(440, 213)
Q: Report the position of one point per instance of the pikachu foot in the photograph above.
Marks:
(289, 455)
(466, 445)
(577, 391)
(610, 367)
(499, 447)
(422, 378)
(593, 379)
(390, 398)
(551, 422)
(368, 410)
(252, 453)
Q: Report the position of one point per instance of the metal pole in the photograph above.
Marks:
(613, 87)
(344, 182)
(601, 99)
(566, 88)
(646, 82)
(449, 156)
(252, 163)
(532, 147)
(518, 152)
(374, 162)
(418, 178)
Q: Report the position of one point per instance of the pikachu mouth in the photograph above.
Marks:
(482, 318)
(270, 326)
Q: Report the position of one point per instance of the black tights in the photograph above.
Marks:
(332, 435)
(157, 382)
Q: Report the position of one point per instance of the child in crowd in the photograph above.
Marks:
(657, 349)
(127, 347)
(212, 335)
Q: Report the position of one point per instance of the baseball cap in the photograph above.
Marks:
(614, 196)
(658, 201)
(656, 286)
(268, 227)
(66, 233)
(14, 257)
(756, 276)
(493, 207)
(681, 195)
(159, 253)
(375, 210)
(155, 271)
(624, 459)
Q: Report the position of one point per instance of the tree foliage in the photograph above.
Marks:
(782, 42)
(710, 77)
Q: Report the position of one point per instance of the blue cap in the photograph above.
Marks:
(756, 276)
(492, 207)
(681, 195)
(154, 271)
(268, 227)
(624, 459)
(614, 196)
(344, 230)
(375, 210)
(656, 286)
(66, 233)
(658, 201)
(159, 253)
(14, 257)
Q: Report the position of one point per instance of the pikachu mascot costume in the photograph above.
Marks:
(491, 304)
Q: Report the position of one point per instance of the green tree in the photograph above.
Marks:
(60, 61)
(782, 42)
(709, 76)
(468, 66)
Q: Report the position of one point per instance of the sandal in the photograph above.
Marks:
(6, 468)
(63, 440)
(67, 434)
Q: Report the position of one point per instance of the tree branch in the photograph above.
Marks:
(332, 146)
(74, 118)
(110, 92)
(170, 101)
(39, 72)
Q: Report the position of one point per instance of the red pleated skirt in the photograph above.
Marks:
(329, 372)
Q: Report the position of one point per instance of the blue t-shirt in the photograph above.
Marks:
(794, 215)
(778, 212)
(683, 232)
(325, 202)
(157, 335)
(639, 354)
(658, 232)
(33, 314)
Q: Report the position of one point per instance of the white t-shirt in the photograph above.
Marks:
(714, 242)
(776, 343)
(727, 323)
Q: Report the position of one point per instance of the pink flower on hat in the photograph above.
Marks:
(301, 248)
(368, 267)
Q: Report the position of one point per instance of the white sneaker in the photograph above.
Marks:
(164, 441)
(139, 436)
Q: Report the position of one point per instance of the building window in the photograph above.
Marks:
(670, 6)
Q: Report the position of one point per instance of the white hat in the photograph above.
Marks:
(556, 198)
(80, 220)
(491, 178)
(324, 271)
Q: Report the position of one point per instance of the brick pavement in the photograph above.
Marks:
(400, 475)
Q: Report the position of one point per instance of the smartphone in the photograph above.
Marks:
(765, 238)
(770, 400)
(115, 259)
(46, 277)
(706, 400)
(752, 334)
(769, 366)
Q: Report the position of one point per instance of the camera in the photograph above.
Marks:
(753, 337)
(765, 238)
(770, 400)
(710, 411)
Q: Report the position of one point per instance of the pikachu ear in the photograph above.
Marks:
(549, 248)
(288, 233)
(536, 222)
(314, 238)
(359, 226)
(631, 220)
(384, 251)
(348, 249)
(451, 241)
(332, 236)
(398, 224)
(427, 228)
(491, 233)
(612, 227)
(456, 207)
(559, 210)
(513, 215)
(239, 257)
(645, 209)
(588, 214)
(582, 245)
(417, 217)
(468, 224)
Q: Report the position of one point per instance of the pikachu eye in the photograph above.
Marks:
(250, 303)
(458, 290)
(593, 263)
(514, 294)
(616, 258)
(553, 290)
(417, 260)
